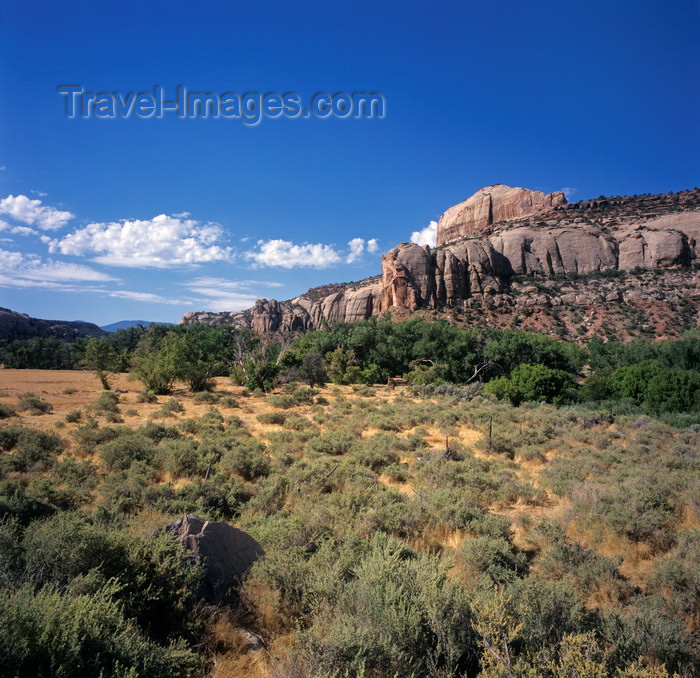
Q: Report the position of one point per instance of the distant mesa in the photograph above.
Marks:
(490, 245)
(14, 326)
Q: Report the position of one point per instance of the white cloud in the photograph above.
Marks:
(569, 192)
(285, 254)
(161, 242)
(31, 212)
(427, 236)
(17, 230)
(41, 194)
(29, 270)
(146, 297)
(357, 248)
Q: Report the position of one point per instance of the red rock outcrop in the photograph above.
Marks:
(491, 205)
(506, 232)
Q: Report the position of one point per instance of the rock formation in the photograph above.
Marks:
(487, 243)
(15, 326)
(226, 552)
(491, 205)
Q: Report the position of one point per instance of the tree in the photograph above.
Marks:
(154, 362)
(313, 369)
(532, 382)
(102, 359)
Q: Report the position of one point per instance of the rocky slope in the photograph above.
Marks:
(20, 326)
(493, 246)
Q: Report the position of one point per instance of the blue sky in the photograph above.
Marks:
(103, 219)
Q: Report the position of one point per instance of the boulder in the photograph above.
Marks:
(226, 552)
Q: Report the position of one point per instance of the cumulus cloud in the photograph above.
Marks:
(356, 249)
(17, 230)
(29, 270)
(427, 236)
(358, 246)
(285, 254)
(161, 242)
(33, 213)
(569, 192)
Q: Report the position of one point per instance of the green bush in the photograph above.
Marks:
(6, 411)
(277, 418)
(32, 403)
(246, 460)
(120, 453)
(532, 383)
(51, 633)
(74, 416)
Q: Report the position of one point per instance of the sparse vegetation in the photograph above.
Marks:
(433, 529)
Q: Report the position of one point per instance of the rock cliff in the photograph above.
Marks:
(491, 205)
(492, 242)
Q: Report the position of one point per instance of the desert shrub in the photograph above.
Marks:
(220, 497)
(246, 460)
(126, 492)
(277, 418)
(27, 502)
(33, 450)
(69, 390)
(652, 632)
(78, 480)
(229, 401)
(298, 423)
(74, 416)
(154, 585)
(206, 397)
(282, 401)
(493, 557)
(120, 453)
(188, 426)
(146, 397)
(107, 402)
(377, 452)
(333, 442)
(304, 396)
(397, 472)
(397, 615)
(547, 611)
(6, 411)
(183, 458)
(677, 577)
(211, 421)
(32, 403)
(173, 405)
(158, 432)
(48, 631)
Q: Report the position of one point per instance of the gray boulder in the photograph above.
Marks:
(226, 552)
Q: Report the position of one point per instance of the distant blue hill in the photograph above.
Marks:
(125, 324)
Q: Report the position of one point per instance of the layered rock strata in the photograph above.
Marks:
(501, 232)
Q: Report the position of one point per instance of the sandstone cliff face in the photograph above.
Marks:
(509, 233)
(490, 205)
